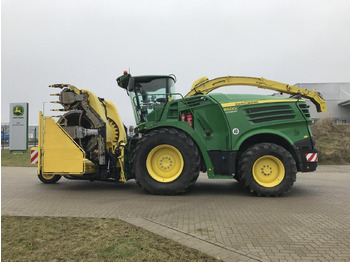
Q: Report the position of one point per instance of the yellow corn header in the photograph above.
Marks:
(89, 127)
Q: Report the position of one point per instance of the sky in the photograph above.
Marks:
(89, 43)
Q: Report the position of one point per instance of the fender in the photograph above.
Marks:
(252, 133)
(184, 127)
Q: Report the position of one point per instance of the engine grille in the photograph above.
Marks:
(305, 109)
(270, 113)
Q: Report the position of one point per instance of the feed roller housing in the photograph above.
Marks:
(88, 131)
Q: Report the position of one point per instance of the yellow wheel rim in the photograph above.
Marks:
(164, 163)
(47, 176)
(268, 171)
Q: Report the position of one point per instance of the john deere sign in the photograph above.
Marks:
(18, 110)
(18, 126)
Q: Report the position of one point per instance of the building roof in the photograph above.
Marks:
(345, 103)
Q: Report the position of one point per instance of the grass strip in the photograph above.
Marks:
(87, 239)
(15, 158)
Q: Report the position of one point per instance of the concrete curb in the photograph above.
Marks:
(211, 248)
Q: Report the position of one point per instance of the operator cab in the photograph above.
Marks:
(147, 92)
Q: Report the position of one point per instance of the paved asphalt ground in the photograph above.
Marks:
(311, 223)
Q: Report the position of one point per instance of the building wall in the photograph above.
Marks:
(333, 93)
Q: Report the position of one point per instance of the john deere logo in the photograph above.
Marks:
(18, 110)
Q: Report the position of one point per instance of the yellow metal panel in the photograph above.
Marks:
(112, 112)
(40, 141)
(61, 154)
(96, 104)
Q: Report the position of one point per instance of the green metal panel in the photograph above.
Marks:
(257, 114)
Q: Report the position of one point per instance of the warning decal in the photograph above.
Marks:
(311, 157)
(34, 156)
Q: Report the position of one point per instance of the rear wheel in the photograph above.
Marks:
(48, 178)
(166, 161)
(267, 169)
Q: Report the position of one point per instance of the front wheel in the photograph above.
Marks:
(267, 169)
(49, 179)
(166, 162)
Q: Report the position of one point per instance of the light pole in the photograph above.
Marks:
(44, 107)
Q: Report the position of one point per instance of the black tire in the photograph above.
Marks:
(187, 174)
(237, 177)
(254, 180)
(46, 179)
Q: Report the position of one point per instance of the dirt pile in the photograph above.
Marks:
(332, 141)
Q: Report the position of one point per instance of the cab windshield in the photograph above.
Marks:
(148, 93)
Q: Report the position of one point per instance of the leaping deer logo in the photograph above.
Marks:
(18, 110)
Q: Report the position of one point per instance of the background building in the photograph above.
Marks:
(337, 96)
